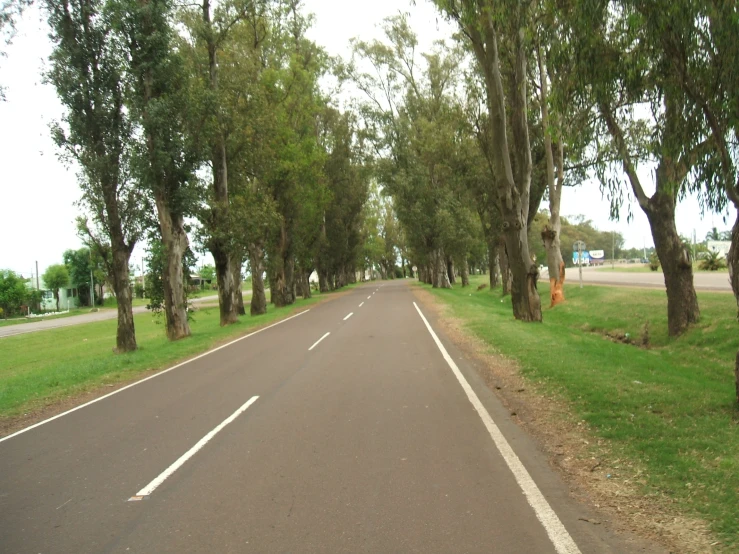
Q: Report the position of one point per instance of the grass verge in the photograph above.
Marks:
(669, 409)
(22, 320)
(39, 369)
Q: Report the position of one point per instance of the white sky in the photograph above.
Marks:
(38, 194)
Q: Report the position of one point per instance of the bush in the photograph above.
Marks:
(712, 262)
(138, 290)
(654, 262)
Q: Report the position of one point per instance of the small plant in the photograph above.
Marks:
(712, 262)
(654, 262)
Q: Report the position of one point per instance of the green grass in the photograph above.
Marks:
(670, 409)
(21, 320)
(37, 369)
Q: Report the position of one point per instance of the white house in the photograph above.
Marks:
(719, 246)
(68, 298)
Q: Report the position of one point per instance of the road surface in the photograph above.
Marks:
(345, 429)
(716, 282)
(54, 323)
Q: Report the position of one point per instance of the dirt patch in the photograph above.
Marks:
(596, 476)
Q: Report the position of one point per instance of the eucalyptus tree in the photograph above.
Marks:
(700, 44)
(346, 178)
(294, 178)
(158, 99)
(409, 106)
(87, 68)
(650, 121)
(208, 40)
(499, 33)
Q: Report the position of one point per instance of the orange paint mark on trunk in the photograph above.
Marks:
(556, 287)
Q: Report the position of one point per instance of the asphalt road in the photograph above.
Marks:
(365, 441)
(54, 323)
(716, 282)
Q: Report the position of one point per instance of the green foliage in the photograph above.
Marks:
(654, 262)
(712, 261)
(573, 229)
(13, 293)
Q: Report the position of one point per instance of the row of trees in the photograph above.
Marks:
(208, 119)
(537, 95)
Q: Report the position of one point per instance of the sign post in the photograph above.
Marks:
(579, 246)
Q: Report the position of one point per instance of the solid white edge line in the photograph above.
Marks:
(362, 304)
(347, 317)
(318, 341)
(158, 374)
(151, 487)
(561, 539)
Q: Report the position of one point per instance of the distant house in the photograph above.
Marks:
(721, 247)
(68, 298)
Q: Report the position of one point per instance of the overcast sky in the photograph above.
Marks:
(38, 193)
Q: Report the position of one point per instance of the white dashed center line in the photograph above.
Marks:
(362, 304)
(318, 341)
(347, 317)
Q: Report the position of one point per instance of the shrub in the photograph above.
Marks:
(712, 262)
(654, 262)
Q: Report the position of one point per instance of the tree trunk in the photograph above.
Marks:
(505, 271)
(465, 274)
(677, 266)
(323, 281)
(440, 276)
(551, 232)
(126, 334)
(56, 296)
(304, 276)
(555, 263)
(733, 263)
(226, 287)
(285, 277)
(236, 262)
(258, 298)
(450, 270)
(174, 239)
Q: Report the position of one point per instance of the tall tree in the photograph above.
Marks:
(159, 101)
(489, 26)
(648, 117)
(87, 72)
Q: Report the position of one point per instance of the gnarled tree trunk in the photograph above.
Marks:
(555, 263)
(440, 276)
(465, 274)
(258, 298)
(677, 265)
(505, 273)
(126, 334)
(236, 262)
(450, 270)
(228, 308)
(284, 294)
(174, 239)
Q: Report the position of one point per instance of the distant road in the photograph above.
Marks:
(717, 282)
(91, 317)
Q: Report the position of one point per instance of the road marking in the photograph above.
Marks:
(318, 341)
(347, 317)
(362, 304)
(559, 536)
(150, 377)
(370, 296)
(151, 487)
